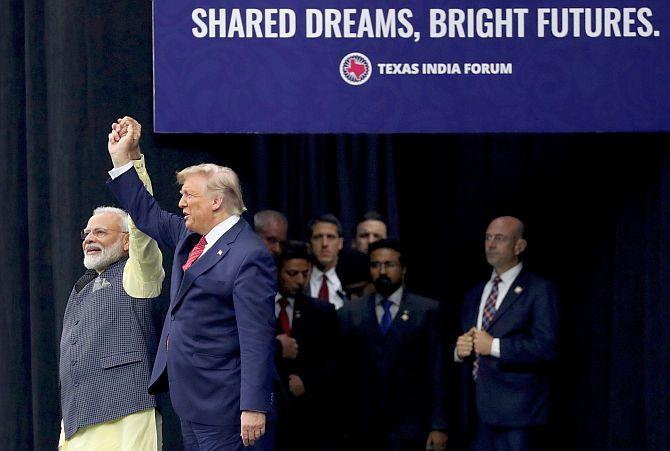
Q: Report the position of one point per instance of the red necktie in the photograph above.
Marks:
(195, 253)
(323, 291)
(283, 316)
(487, 317)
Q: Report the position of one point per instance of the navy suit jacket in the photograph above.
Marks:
(309, 422)
(316, 331)
(514, 390)
(395, 383)
(220, 321)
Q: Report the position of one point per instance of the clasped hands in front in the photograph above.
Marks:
(476, 341)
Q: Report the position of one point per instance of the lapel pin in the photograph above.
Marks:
(518, 290)
(405, 315)
(220, 252)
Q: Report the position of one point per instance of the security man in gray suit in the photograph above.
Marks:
(392, 363)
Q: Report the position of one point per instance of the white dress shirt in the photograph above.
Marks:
(218, 231)
(335, 293)
(506, 282)
(507, 279)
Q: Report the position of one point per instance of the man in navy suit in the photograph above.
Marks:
(508, 345)
(308, 374)
(393, 362)
(217, 345)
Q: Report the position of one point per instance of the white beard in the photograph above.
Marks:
(105, 258)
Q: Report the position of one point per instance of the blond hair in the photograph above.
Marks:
(220, 179)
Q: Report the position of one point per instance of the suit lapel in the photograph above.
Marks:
(516, 290)
(218, 250)
(394, 337)
(402, 318)
(180, 257)
(299, 310)
(370, 319)
(473, 308)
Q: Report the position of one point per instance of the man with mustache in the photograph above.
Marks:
(393, 362)
(508, 347)
(109, 338)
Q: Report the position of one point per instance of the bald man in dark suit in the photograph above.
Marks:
(507, 348)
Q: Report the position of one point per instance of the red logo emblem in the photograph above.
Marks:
(355, 69)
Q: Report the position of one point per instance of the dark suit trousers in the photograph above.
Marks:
(496, 438)
(204, 437)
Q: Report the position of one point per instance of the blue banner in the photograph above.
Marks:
(422, 66)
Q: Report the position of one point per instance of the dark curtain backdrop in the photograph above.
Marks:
(596, 208)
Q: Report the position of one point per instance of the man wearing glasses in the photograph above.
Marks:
(109, 339)
(393, 360)
(508, 348)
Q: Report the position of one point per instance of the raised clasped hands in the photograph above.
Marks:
(124, 141)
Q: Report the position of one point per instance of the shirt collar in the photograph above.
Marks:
(221, 228)
(317, 273)
(290, 299)
(508, 276)
(395, 297)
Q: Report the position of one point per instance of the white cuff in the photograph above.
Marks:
(495, 348)
(114, 173)
(456, 357)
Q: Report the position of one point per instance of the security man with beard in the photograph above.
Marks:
(393, 362)
(109, 338)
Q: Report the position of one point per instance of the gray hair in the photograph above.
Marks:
(264, 218)
(117, 211)
(220, 179)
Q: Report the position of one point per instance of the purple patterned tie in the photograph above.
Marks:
(487, 317)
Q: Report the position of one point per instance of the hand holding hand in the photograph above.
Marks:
(123, 126)
(289, 346)
(465, 344)
(482, 341)
(295, 385)
(123, 141)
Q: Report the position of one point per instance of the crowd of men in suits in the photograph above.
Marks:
(322, 349)
(351, 335)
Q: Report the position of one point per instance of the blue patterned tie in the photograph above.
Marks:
(385, 323)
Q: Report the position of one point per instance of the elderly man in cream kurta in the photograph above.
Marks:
(109, 339)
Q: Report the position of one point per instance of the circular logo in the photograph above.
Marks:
(355, 68)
